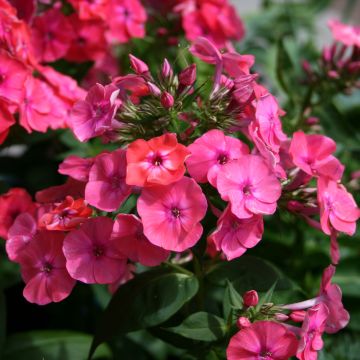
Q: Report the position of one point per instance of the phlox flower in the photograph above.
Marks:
(12, 204)
(313, 155)
(338, 209)
(6, 121)
(92, 256)
(171, 214)
(13, 74)
(76, 167)
(210, 152)
(43, 269)
(90, 10)
(92, 117)
(20, 234)
(128, 231)
(234, 236)
(66, 215)
(312, 328)
(344, 33)
(106, 188)
(266, 340)
(159, 161)
(250, 186)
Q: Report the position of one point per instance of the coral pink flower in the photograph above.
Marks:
(159, 161)
(89, 40)
(67, 215)
(52, 34)
(330, 295)
(13, 203)
(92, 117)
(92, 256)
(171, 214)
(210, 152)
(313, 155)
(20, 234)
(88, 10)
(13, 74)
(311, 332)
(338, 209)
(234, 236)
(76, 167)
(250, 187)
(126, 20)
(6, 121)
(128, 231)
(107, 188)
(344, 33)
(43, 269)
(262, 340)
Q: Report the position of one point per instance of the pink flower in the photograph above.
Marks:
(338, 209)
(171, 214)
(6, 121)
(250, 187)
(234, 236)
(13, 74)
(92, 256)
(311, 332)
(128, 231)
(251, 298)
(107, 188)
(89, 10)
(262, 340)
(159, 161)
(237, 65)
(313, 155)
(344, 33)
(330, 295)
(12, 204)
(76, 167)
(210, 152)
(126, 20)
(92, 117)
(52, 34)
(20, 234)
(43, 269)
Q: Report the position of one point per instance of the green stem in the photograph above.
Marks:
(178, 268)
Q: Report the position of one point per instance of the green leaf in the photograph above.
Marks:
(201, 326)
(267, 297)
(147, 300)
(2, 322)
(51, 345)
(232, 300)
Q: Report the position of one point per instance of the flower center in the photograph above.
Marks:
(175, 212)
(222, 159)
(98, 251)
(247, 190)
(47, 267)
(157, 161)
(265, 355)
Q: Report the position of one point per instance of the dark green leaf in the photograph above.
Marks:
(201, 326)
(149, 299)
(232, 299)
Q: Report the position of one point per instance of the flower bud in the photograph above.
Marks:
(154, 89)
(167, 100)
(297, 315)
(138, 65)
(166, 70)
(243, 322)
(312, 120)
(188, 76)
(281, 317)
(251, 298)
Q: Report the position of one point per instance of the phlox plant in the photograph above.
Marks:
(194, 165)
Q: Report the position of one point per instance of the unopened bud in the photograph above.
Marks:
(297, 315)
(243, 322)
(138, 65)
(167, 100)
(251, 298)
(154, 89)
(166, 70)
(188, 76)
(312, 120)
(281, 317)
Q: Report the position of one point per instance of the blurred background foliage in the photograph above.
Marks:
(281, 35)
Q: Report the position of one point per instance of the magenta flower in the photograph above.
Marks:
(92, 256)
(43, 269)
(313, 155)
(107, 188)
(171, 214)
(233, 236)
(265, 340)
(344, 33)
(76, 167)
(92, 117)
(128, 231)
(311, 332)
(6, 121)
(20, 234)
(13, 74)
(250, 187)
(210, 152)
(338, 209)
